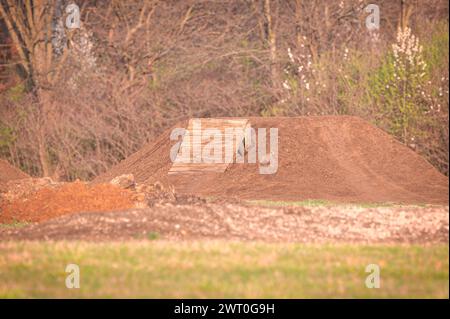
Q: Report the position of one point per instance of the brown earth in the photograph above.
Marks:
(424, 225)
(51, 202)
(41, 199)
(8, 173)
(335, 158)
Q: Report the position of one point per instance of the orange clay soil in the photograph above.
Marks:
(69, 198)
(335, 158)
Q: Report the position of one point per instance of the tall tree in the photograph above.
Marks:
(30, 24)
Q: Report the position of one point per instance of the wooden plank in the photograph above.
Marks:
(213, 123)
(200, 141)
(198, 167)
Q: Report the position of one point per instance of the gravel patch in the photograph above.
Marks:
(242, 222)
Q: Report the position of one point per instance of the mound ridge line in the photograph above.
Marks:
(9, 172)
(335, 158)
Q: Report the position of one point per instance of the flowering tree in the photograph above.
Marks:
(398, 85)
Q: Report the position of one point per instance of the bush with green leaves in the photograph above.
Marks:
(395, 88)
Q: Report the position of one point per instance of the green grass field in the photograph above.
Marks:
(161, 269)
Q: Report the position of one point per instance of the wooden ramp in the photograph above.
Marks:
(198, 135)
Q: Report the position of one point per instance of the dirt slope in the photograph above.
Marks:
(336, 158)
(9, 172)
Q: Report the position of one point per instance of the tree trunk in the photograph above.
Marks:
(272, 41)
(44, 97)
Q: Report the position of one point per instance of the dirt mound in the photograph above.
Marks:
(40, 199)
(335, 158)
(243, 222)
(8, 173)
(68, 198)
(25, 187)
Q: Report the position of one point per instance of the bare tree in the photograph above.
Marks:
(29, 24)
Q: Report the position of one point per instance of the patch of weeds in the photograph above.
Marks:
(150, 235)
(153, 235)
(16, 93)
(14, 224)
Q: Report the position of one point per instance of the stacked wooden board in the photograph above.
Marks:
(197, 137)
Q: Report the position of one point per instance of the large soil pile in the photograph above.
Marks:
(335, 158)
(9, 172)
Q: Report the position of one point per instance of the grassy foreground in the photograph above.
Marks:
(161, 269)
